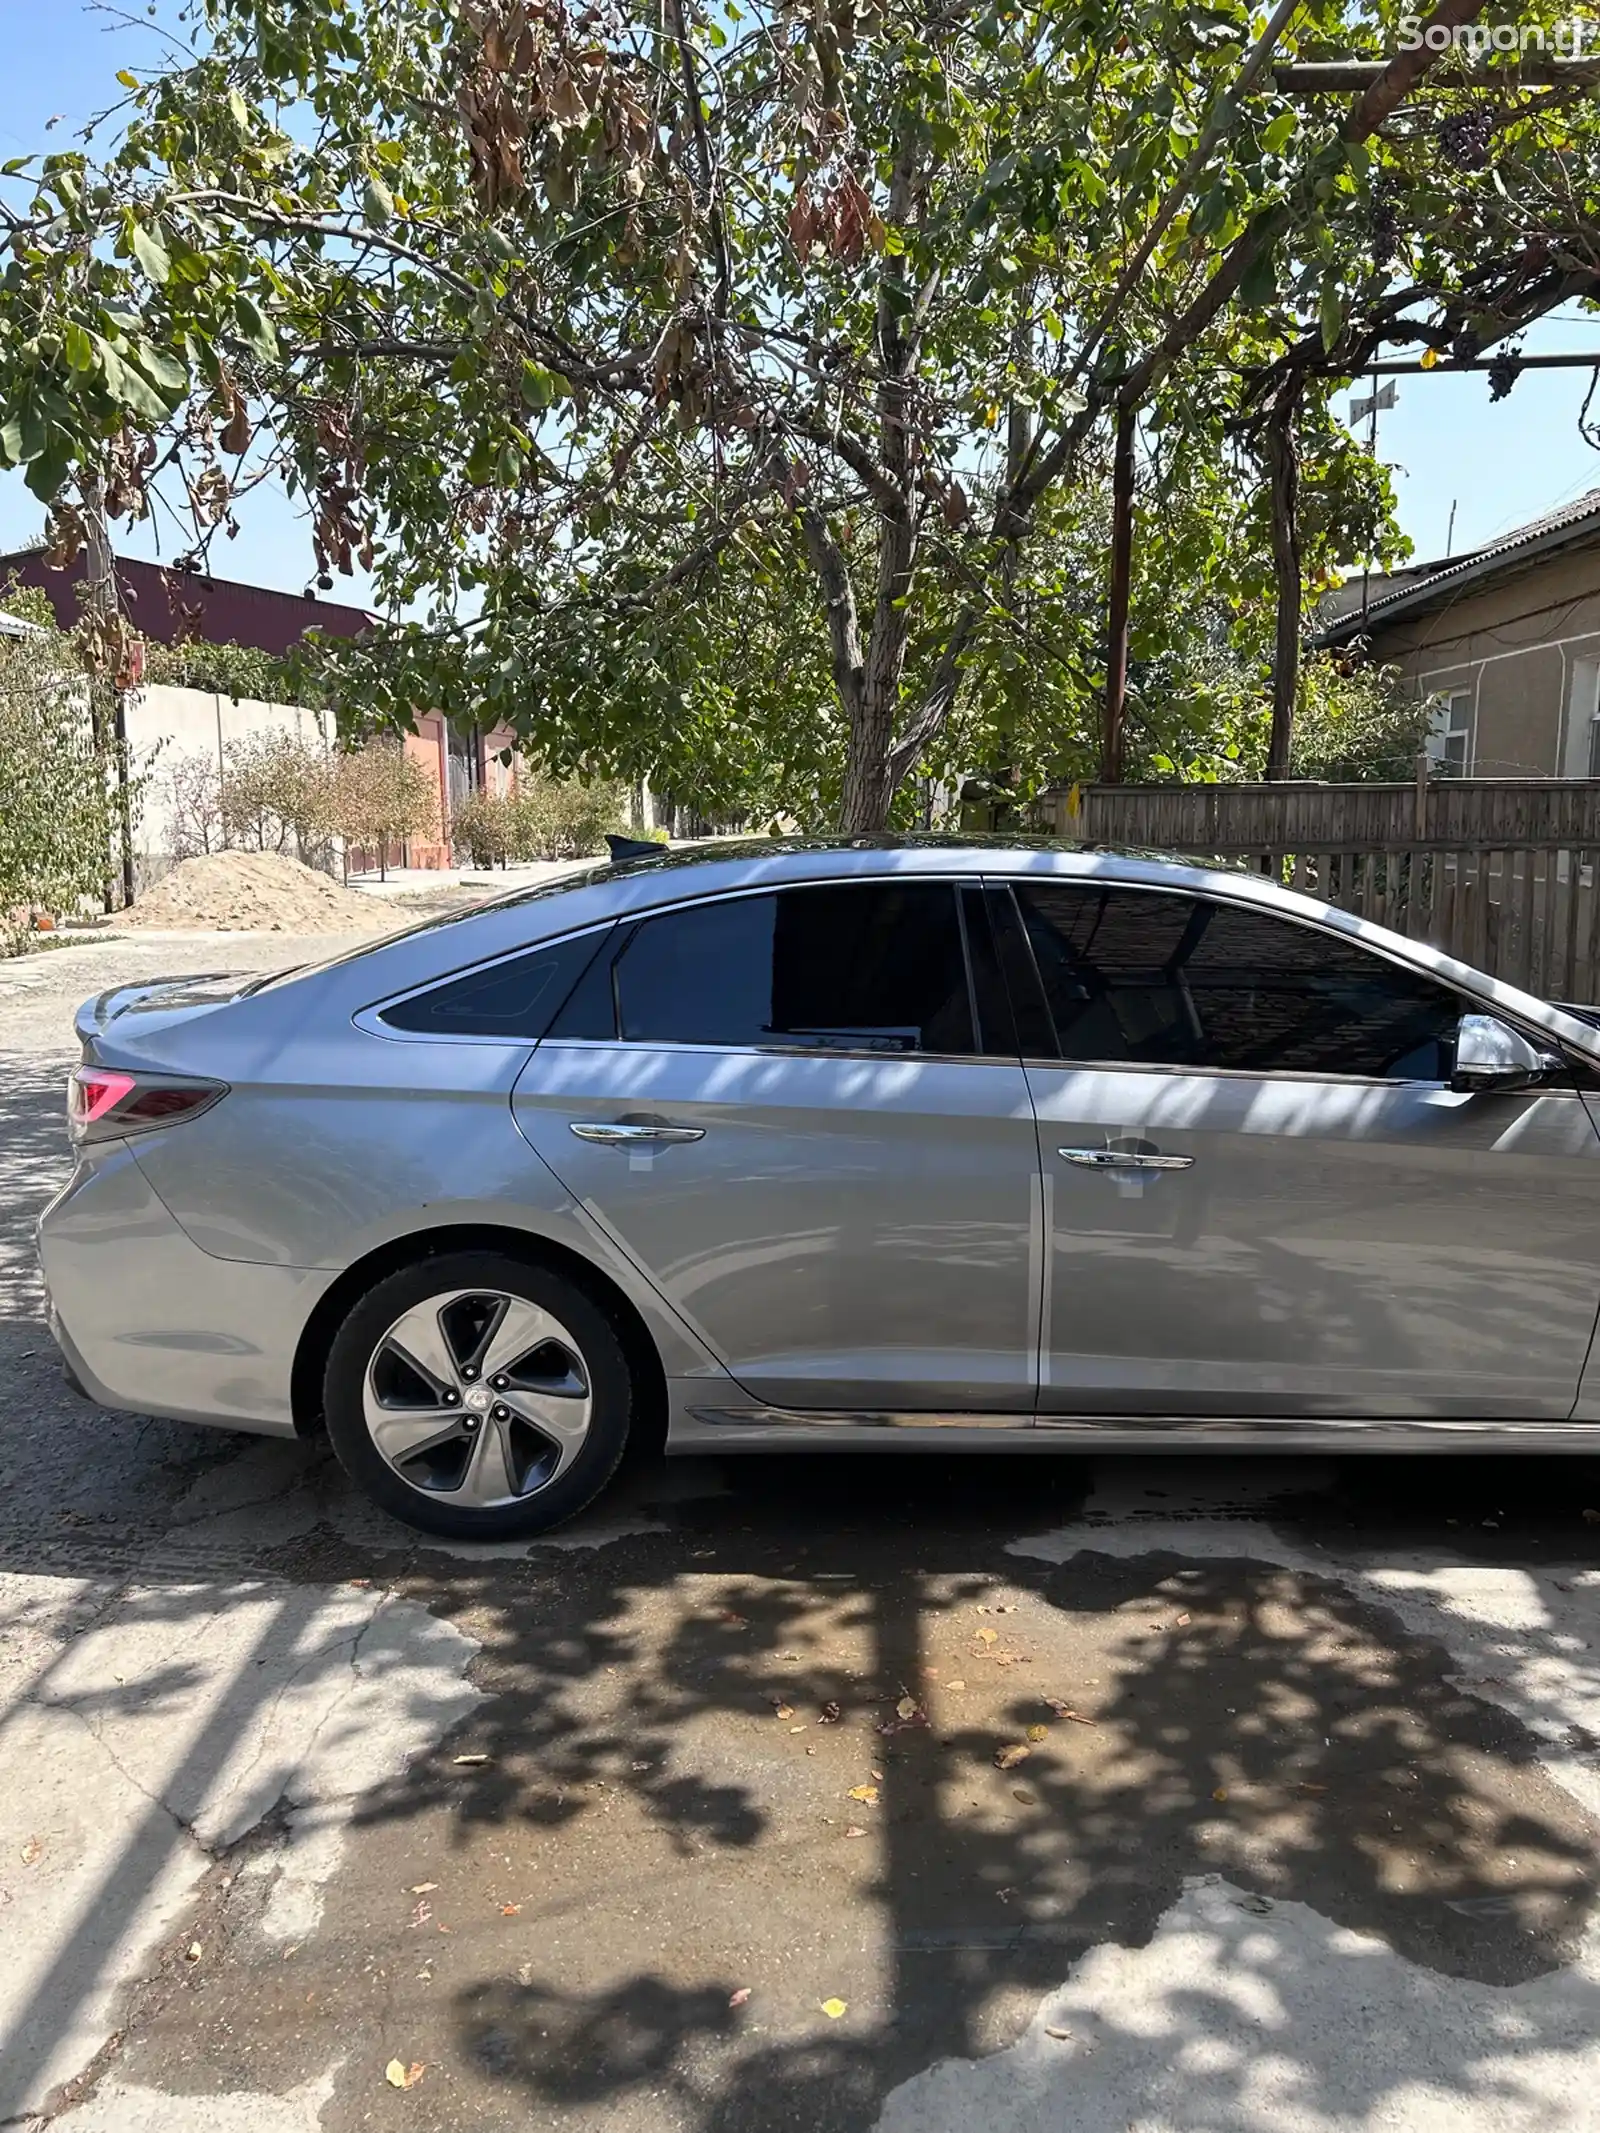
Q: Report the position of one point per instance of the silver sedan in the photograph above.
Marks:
(824, 1144)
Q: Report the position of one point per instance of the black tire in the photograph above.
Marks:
(594, 1340)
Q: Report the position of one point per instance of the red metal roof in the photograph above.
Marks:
(181, 606)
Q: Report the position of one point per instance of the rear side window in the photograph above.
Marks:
(1154, 979)
(857, 966)
(517, 999)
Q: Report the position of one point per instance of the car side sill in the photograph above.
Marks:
(698, 1427)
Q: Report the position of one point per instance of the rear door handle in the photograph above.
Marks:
(1123, 1159)
(619, 1136)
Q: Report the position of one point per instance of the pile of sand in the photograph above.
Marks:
(256, 892)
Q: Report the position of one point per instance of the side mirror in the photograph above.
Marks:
(1491, 1056)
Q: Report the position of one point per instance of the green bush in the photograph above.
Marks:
(555, 821)
(483, 830)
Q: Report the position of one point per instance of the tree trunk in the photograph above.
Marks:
(1111, 750)
(1283, 467)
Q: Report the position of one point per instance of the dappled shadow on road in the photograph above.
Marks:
(662, 1765)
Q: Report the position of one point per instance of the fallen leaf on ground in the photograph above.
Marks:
(987, 1636)
(737, 1999)
(1020, 1792)
(193, 1952)
(1221, 1793)
(423, 1888)
(32, 1850)
(509, 1910)
(400, 2076)
(1260, 1905)
(868, 1794)
(907, 1707)
(1305, 1785)
(855, 1830)
(783, 1710)
(834, 2008)
(877, 1777)
(469, 1758)
(1007, 1758)
(1065, 1710)
(1058, 2034)
(955, 1684)
(797, 1729)
(831, 1714)
(1038, 1733)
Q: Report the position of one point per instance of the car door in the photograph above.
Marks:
(1261, 1195)
(782, 1107)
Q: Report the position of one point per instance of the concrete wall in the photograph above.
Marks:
(1526, 652)
(166, 723)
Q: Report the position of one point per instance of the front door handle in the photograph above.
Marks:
(1123, 1159)
(621, 1136)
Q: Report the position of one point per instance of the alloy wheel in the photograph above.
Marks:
(477, 1396)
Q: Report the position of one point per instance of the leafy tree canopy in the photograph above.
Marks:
(610, 334)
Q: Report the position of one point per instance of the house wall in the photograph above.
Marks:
(1518, 648)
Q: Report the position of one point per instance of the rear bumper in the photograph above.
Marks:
(148, 1322)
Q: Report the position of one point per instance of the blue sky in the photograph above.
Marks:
(1499, 464)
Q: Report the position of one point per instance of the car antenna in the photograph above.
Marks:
(632, 848)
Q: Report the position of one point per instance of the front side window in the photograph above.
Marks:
(852, 966)
(1140, 977)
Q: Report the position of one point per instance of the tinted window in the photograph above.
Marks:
(516, 999)
(1175, 981)
(854, 967)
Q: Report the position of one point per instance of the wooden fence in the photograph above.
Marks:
(1501, 872)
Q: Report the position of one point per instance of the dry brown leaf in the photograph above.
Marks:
(1038, 1733)
(783, 1710)
(1021, 1792)
(509, 1910)
(737, 1999)
(32, 1851)
(193, 1952)
(855, 1830)
(1008, 1758)
(1058, 2034)
(1065, 1710)
(907, 1707)
(423, 1888)
(867, 1794)
(831, 1714)
(987, 1636)
(955, 1684)
(400, 2076)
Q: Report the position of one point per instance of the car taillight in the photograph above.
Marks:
(103, 1103)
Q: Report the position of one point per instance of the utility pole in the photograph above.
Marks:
(1111, 750)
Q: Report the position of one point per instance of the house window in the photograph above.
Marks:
(1580, 757)
(1450, 735)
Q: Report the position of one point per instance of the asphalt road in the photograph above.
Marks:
(846, 1795)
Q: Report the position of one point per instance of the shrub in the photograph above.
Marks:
(382, 795)
(278, 789)
(189, 787)
(483, 830)
(555, 821)
(58, 804)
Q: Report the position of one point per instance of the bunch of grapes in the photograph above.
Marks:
(1502, 374)
(1465, 137)
(1384, 223)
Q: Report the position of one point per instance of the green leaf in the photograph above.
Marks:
(11, 441)
(239, 110)
(128, 385)
(1330, 312)
(1280, 132)
(1259, 284)
(128, 81)
(255, 326)
(165, 369)
(377, 204)
(46, 473)
(79, 347)
(151, 254)
(538, 385)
